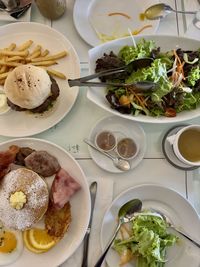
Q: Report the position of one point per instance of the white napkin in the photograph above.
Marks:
(103, 200)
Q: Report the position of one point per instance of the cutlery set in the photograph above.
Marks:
(15, 8)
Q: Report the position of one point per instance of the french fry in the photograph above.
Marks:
(14, 53)
(25, 45)
(10, 64)
(44, 63)
(53, 57)
(4, 75)
(37, 48)
(28, 53)
(36, 54)
(45, 53)
(3, 69)
(11, 47)
(14, 58)
(56, 73)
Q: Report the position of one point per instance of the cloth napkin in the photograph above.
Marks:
(103, 200)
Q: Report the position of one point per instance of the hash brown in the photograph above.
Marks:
(57, 221)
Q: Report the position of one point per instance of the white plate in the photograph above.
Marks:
(6, 17)
(80, 208)
(93, 14)
(97, 95)
(171, 203)
(122, 128)
(19, 124)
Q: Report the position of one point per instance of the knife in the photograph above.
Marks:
(93, 191)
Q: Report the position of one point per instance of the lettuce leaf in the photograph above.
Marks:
(157, 73)
(142, 49)
(148, 241)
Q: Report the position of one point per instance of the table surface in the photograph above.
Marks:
(69, 133)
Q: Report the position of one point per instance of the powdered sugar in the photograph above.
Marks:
(35, 189)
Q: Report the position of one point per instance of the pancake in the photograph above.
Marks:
(24, 199)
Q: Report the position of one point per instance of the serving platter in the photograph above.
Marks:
(166, 43)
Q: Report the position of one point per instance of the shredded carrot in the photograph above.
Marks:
(140, 30)
(179, 68)
(140, 100)
(119, 14)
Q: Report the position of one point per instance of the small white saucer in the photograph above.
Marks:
(169, 152)
(123, 127)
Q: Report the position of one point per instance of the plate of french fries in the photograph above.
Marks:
(38, 45)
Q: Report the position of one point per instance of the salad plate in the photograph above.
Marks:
(100, 26)
(80, 207)
(166, 43)
(169, 202)
(24, 123)
(120, 128)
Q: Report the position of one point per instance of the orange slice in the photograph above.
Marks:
(40, 239)
(28, 245)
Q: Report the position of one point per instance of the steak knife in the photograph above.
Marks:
(93, 191)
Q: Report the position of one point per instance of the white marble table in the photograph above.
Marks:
(77, 124)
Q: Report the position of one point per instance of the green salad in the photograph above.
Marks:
(145, 240)
(176, 72)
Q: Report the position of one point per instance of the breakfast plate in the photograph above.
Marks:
(93, 14)
(21, 124)
(174, 206)
(80, 207)
(120, 128)
(166, 43)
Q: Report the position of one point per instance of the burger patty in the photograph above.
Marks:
(45, 105)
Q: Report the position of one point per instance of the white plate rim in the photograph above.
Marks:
(75, 91)
(115, 45)
(83, 6)
(137, 159)
(144, 185)
(86, 188)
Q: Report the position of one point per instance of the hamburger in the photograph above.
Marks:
(28, 87)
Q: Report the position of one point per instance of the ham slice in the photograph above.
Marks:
(63, 188)
(7, 157)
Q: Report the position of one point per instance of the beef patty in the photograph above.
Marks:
(45, 105)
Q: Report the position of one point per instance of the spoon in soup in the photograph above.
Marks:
(125, 215)
(120, 163)
(161, 10)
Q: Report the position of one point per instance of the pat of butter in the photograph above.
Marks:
(3, 103)
(17, 200)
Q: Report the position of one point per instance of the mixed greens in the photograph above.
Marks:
(176, 72)
(145, 240)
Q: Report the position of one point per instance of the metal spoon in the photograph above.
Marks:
(168, 221)
(125, 215)
(120, 163)
(161, 10)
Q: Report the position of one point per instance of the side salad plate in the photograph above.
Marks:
(168, 202)
(175, 70)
